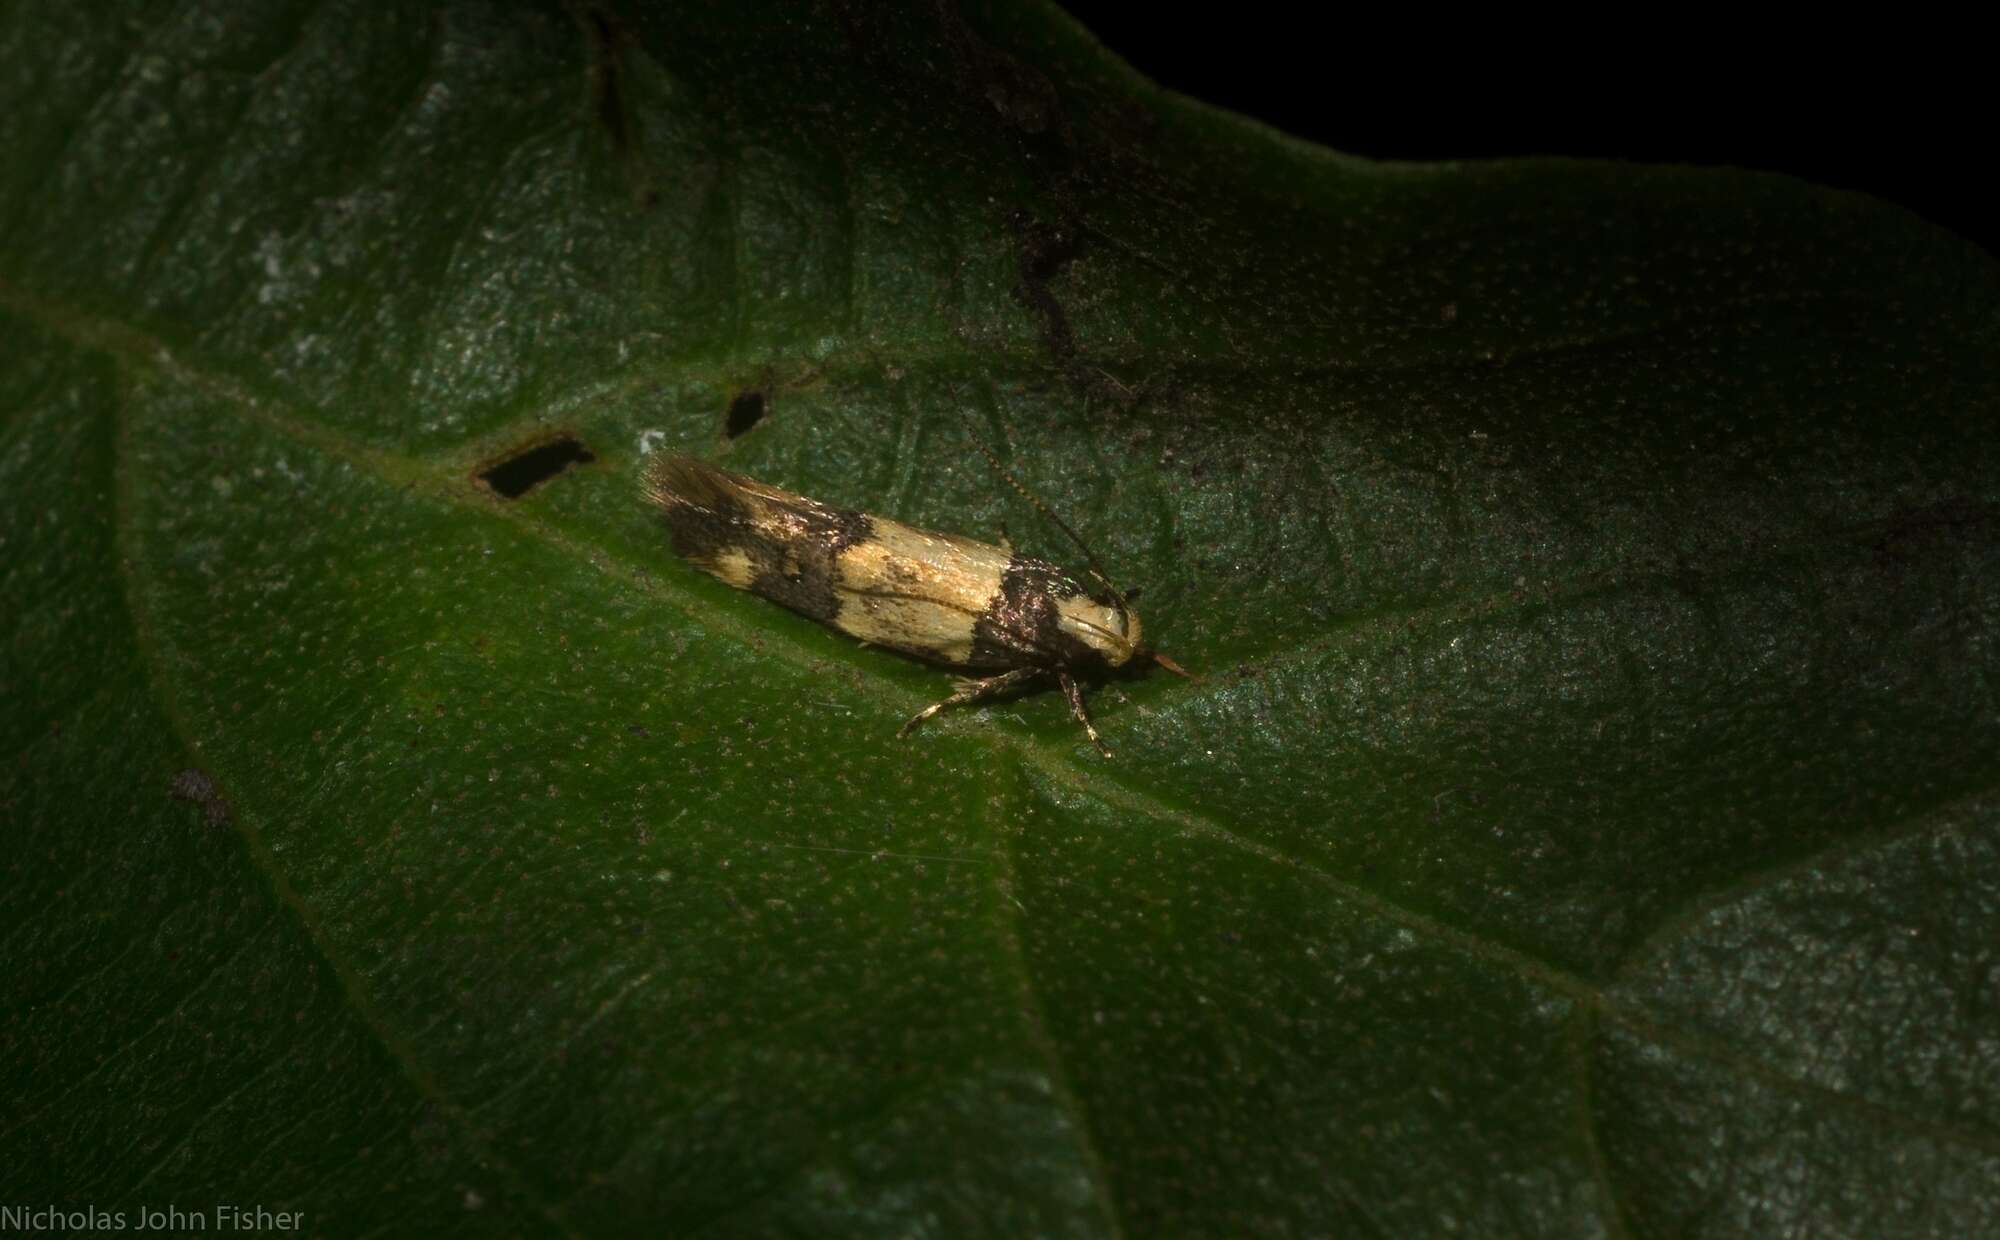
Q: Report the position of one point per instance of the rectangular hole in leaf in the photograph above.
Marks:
(744, 412)
(529, 468)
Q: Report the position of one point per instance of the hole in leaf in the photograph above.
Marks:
(529, 468)
(744, 412)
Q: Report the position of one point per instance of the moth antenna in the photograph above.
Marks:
(1096, 569)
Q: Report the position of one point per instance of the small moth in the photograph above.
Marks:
(943, 598)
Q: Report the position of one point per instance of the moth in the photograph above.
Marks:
(942, 598)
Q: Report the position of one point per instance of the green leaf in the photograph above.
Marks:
(1585, 824)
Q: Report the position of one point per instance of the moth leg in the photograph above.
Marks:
(973, 691)
(1074, 693)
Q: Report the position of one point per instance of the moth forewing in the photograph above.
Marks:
(918, 591)
(944, 598)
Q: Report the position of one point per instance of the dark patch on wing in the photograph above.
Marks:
(1019, 628)
(791, 543)
(795, 566)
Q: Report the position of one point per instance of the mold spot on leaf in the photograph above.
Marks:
(198, 787)
(607, 47)
(526, 468)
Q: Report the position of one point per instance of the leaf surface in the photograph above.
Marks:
(1585, 823)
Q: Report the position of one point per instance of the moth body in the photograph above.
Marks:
(943, 598)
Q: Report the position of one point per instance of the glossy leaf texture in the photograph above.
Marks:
(1585, 824)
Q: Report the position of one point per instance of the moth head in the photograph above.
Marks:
(1110, 630)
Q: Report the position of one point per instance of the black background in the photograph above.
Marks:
(1903, 114)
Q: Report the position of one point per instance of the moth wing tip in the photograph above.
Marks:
(675, 478)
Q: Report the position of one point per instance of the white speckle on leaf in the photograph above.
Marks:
(283, 281)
